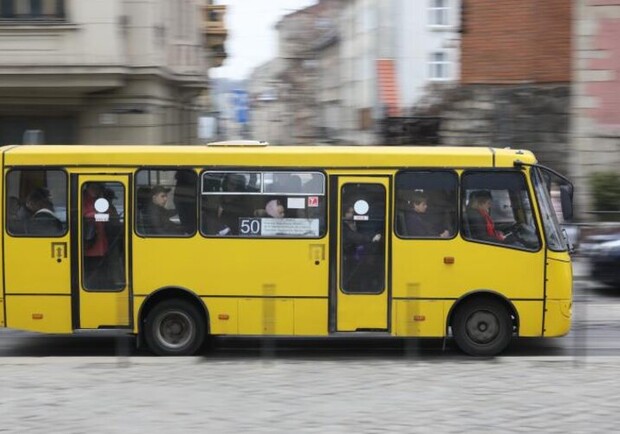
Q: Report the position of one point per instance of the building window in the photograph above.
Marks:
(439, 66)
(438, 13)
(38, 10)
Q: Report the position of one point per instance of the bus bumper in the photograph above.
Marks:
(558, 314)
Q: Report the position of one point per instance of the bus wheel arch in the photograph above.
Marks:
(173, 322)
(483, 323)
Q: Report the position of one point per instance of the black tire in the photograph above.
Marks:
(174, 328)
(482, 327)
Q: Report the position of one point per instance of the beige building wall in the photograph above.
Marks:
(110, 72)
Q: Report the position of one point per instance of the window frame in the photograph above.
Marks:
(136, 209)
(436, 65)
(532, 203)
(457, 192)
(439, 14)
(67, 222)
(36, 14)
(261, 172)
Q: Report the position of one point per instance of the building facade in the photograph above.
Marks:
(102, 71)
(515, 79)
(595, 126)
(348, 64)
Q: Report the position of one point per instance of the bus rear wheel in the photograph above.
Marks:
(482, 327)
(174, 328)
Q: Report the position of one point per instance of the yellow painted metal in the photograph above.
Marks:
(311, 317)
(99, 308)
(223, 315)
(419, 269)
(530, 317)
(558, 317)
(40, 313)
(37, 265)
(424, 318)
(275, 156)
(266, 316)
(361, 311)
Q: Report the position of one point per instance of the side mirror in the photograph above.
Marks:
(566, 199)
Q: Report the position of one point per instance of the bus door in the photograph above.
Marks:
(362, 290)
(100, 281)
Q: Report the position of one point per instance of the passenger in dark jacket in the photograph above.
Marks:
(158, 216)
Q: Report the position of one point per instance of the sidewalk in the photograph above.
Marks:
(181, 395)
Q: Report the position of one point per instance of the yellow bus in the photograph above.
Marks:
(176, 244)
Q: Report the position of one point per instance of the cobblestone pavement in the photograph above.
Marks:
(152, 395)
(314, 395)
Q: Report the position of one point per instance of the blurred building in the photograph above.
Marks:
(266, 107)
(596, 95)
(346, 65)
(105, 72)
(392, 53)
(515, 78)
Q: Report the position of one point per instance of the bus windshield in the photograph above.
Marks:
(552, 229)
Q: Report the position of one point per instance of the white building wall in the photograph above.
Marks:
(398, 30)
(417, 39)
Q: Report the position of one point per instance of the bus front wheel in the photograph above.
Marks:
(482, 327)
(174, 328)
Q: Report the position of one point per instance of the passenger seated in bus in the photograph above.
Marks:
(231, 207)
(275, 208)
(417, 223)
(16, 215)
(158, 216)
(358, 255)
(185, 199)
(481, 225)
(43, 221)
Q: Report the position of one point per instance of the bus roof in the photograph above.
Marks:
(270, 156)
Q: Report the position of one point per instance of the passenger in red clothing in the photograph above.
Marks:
(481, 224)
(95, 238)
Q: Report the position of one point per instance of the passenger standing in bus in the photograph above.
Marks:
(16, 216)
(231, 207)
(417, 223)
(358, 255)
(185, 199)
(158, 216)
(43, 221)
(481, 224)
(95, 239)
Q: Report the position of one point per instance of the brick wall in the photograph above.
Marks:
(516, 41)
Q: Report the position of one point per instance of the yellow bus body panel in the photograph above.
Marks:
(374, 306)
(530, 315)
(233, 267)
(103, 309)
(39, 313)
(33, 268)
(419, 318)
(558, 314)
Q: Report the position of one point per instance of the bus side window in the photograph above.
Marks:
(426, 204)
(36, 203)
(166, 202)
